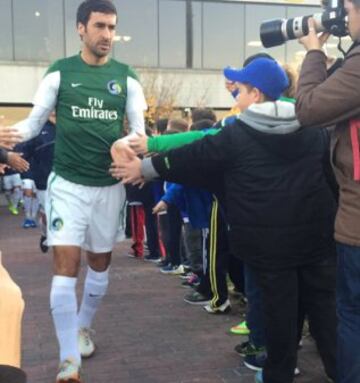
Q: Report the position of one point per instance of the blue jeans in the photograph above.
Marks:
(348, 311)
(254, 315)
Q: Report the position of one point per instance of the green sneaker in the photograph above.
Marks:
(13, 210)
(240, 329)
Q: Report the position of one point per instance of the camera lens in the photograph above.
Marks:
(271, 33)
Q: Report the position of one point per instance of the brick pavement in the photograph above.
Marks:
(146, 333)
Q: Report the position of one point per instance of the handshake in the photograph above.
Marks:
(126, 165)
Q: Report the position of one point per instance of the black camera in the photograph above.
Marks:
(332, 20)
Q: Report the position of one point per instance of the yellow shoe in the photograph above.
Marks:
(13, 210)
(240, 329)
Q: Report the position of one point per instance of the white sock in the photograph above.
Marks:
(34, 208)
(16, 196)
(63, 306)
(95, 287)
(8, 196)
(27, 206)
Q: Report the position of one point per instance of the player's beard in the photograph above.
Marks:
(97, 51)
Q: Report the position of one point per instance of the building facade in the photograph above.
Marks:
(178, 44)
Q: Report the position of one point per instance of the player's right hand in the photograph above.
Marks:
(16, 162)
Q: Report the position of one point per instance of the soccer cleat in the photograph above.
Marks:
(195, 298)
(240, 329)
(43, 247)
(86, 344)
(222, 309)
(13, 210)
(69, 372)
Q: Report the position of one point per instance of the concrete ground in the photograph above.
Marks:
(145, 332)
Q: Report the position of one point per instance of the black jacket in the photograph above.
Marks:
(279, 206)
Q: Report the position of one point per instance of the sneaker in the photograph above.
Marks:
(27, 223)
(43, 246)
(13, 210)
(163, 263)
(192, 281)
(172, 270)
(195, 298)
(86, 344)
(240, 329)
(259, 377)
(247, 348)
(69, 372)
(133, 255)
(186, 275)
(151, 258)
(255, 362)
(33, 223)
(222, 309)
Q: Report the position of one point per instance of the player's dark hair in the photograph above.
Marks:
(87, 7)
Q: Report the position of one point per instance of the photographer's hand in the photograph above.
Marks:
(313, 41)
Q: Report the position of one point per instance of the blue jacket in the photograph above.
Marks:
(194, 202)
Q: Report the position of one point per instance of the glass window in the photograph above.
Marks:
(38, 30)
(137, 32)
(254, 16)
(223, 35)
(72, 39)
(196, 21)
(172, 31)
(6, 40)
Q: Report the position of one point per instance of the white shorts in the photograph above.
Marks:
(92, 218)
(29, 184)
(12, 181)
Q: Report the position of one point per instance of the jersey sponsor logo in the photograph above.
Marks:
(93, 113)
(114, 87)
(57, 224)
(75, 84)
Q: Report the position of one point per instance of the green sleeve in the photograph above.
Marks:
(172, 141)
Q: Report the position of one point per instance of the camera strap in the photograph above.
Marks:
(354, 135)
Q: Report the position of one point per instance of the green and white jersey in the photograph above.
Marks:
(91, 103)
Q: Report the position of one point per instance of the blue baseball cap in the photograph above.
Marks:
(262, 73)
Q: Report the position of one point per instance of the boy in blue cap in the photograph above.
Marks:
(279, 207)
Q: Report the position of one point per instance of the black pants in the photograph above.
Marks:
(171, 224)
(219, 261)
(152, 232)
(313, 288)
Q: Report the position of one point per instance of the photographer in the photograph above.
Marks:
(335, 100)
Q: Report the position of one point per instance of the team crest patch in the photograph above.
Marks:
(114, 87)
(57, 224)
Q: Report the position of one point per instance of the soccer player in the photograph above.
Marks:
(91, 94)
